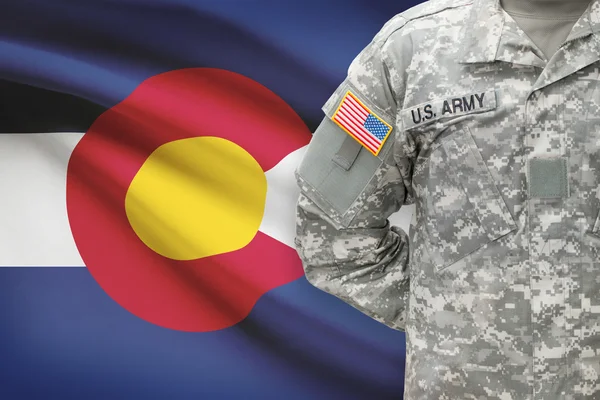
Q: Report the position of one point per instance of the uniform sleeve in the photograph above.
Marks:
(347, 193)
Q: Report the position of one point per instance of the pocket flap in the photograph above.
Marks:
(479, 185)
(466, 209)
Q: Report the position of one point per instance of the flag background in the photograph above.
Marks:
(62, 64)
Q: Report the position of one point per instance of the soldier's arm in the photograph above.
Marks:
(343, 236)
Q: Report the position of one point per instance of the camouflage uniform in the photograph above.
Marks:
(497, 283)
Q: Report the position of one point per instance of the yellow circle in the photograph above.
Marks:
(197, 197)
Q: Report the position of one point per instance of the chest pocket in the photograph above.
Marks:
(464, 209)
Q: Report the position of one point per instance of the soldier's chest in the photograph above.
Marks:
(505, 118)
(488, 147)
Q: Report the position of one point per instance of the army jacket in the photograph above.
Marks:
(497, 282)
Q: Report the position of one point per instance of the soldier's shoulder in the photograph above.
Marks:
(432, 10)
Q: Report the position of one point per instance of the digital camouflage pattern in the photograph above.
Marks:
(497, 284)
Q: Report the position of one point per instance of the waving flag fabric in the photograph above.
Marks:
(147, 151)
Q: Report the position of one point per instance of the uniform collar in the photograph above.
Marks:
(589, 23)
(546, 9)
(486, 31)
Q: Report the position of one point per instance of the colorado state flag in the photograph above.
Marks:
(147, 201)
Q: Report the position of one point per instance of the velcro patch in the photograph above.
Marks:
(451, 106)
(548, 177)
(361, 123)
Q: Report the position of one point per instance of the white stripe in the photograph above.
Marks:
(34, 228)
(358, 107)
(279, 219)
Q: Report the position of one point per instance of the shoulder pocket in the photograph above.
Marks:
(465, 210)
(332, 186)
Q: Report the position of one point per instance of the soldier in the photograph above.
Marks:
(486, 116)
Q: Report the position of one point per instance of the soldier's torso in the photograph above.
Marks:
(505, 266)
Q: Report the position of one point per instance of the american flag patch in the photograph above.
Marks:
(361, 123)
